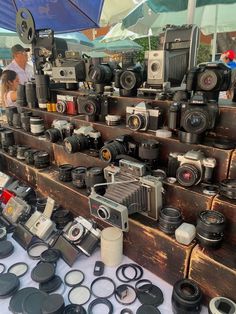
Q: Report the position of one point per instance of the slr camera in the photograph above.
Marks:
(102, 73)
(129, 190)
(94, 106)
(84, 234)
(67, 104)
(117, 148)
(129, 80)
(60, 129)
(191, 168)
(83, 138)
(143, 117)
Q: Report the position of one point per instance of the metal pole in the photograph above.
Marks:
(191, 11)
(215, 35)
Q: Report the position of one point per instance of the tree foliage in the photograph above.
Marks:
(144, 43)
(204, 53)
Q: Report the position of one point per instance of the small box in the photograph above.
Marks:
(185, 233)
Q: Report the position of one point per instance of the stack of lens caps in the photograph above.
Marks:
(9, 284)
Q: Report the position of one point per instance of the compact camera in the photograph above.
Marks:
(83, 138)
(67, 104)
(93, 106)
(143, 117)
(122, 145)
(130, 190)
(16, 210)
(60, 129)
(129, 80)
(195, 116)
(40, 224)
(84, 234)
(191, 168)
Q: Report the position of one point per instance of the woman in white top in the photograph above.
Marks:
(10, 82)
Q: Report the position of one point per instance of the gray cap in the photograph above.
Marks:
(18, 48)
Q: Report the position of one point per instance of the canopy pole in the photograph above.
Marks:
(215, 35)
(191, 11)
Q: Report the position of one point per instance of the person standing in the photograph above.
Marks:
(9, 84)
(20, 63)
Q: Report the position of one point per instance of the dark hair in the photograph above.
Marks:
(7, 76)
(1, 72)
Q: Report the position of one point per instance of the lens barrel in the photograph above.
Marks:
(170, 219)
(65, 173)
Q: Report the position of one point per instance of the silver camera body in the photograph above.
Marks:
(83, 233)
(15, 208)
(129, 190)
(157, 69)
(88, 131)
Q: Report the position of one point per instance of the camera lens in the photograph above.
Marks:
(149, 150)
(76, 143)
(65, 172)
(9, 114)
(53, 135)
(41, 159)
(30, 91)
(62, 217)
(61, 106)
(16, 120)
(228, 188)
(29, 156)
(221, 305)
(101, 74)
(91, 106)
(195, 120)
(210, 228)
(186, 297)
(188, 175)
(7, 139)
(170, 219)
(25, 120)
(94, 175)
(78, 177)
(42, 90)
(12, 150)
(21, 149)
(208, 80)
(136, 121)
(20, 95)
(36, 126)
(109, 151)
(129, 80)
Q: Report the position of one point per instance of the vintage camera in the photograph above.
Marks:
(191, 168)
(60, 129)
(195, 116)
(129, 80)
(130, 190)
(16, 210)
(83, 138)
(40, 224)
(67, 104)
(157, 67)
(122, 145)
(84, 234)
(143, 117)
(94, 106)
(102, 73)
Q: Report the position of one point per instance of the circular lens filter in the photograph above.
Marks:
(6, 249)
(2, 268)
(9, 283)
(19, 269)
(43, 272)
(103, 287)
(74, 278)
(36, 249)
(32, 303)
(53, 303)
(16, 302)
(74, 309)
(79, 295)
(51, 285)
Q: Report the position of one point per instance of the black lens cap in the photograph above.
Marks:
(147, 308)
(32, 304)
(51, 285)
(151, 296)
(50, 255)
(6, 248)
(9, 284)
(53, 304)
(74, 309)
(16, 302)
(43, 272)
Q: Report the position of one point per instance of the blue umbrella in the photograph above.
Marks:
(61, 16)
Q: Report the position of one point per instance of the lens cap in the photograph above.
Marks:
(53, 304)
(9, 283)
(32, 304)
(51, 285)
(74, 278)
(150, 295)
(50, 255)
(19, 269)
(6, 249)
(224, 144)
(79, 295)
(74, 309)
(147, 308)
(36, 249)
(43, 272)
(16, 302)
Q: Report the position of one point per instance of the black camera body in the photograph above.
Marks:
(94, 106)
(129, 80)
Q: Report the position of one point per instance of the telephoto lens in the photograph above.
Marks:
(94, 175)
(25, 120)
(21, 149)
(221, 305)
(1, 131)
(186, 297)
(36, 126)
(170, 219)
(9, 114)
(42, 90)
(53, 135)
(16, 120)
(210, 228)
(7, 139)
(29, 156)
(12, 150)
(30, 92)
(41, 159)
(76, 143)
(78, 177)
(111, 149)
(65, 173)
(20, 96)
(228, 188)
(149, 151)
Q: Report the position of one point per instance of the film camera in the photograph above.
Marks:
(103, 73)
(66, 104)
(83, 138)
(143, 117)
(94, 106)
(84, 234)
(129, 190)
(60, 129)
(191, 168)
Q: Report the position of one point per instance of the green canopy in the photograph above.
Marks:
(116, 46)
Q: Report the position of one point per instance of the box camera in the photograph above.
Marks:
(60, 129)
(93, 106)
(191, 168)
(84, 234)
(16, 210)
(157, 67)
(195, 116)
(128, 81)
(129, 191)
(143, 117)
(67, 104)
(122, 145)
(83, 138)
